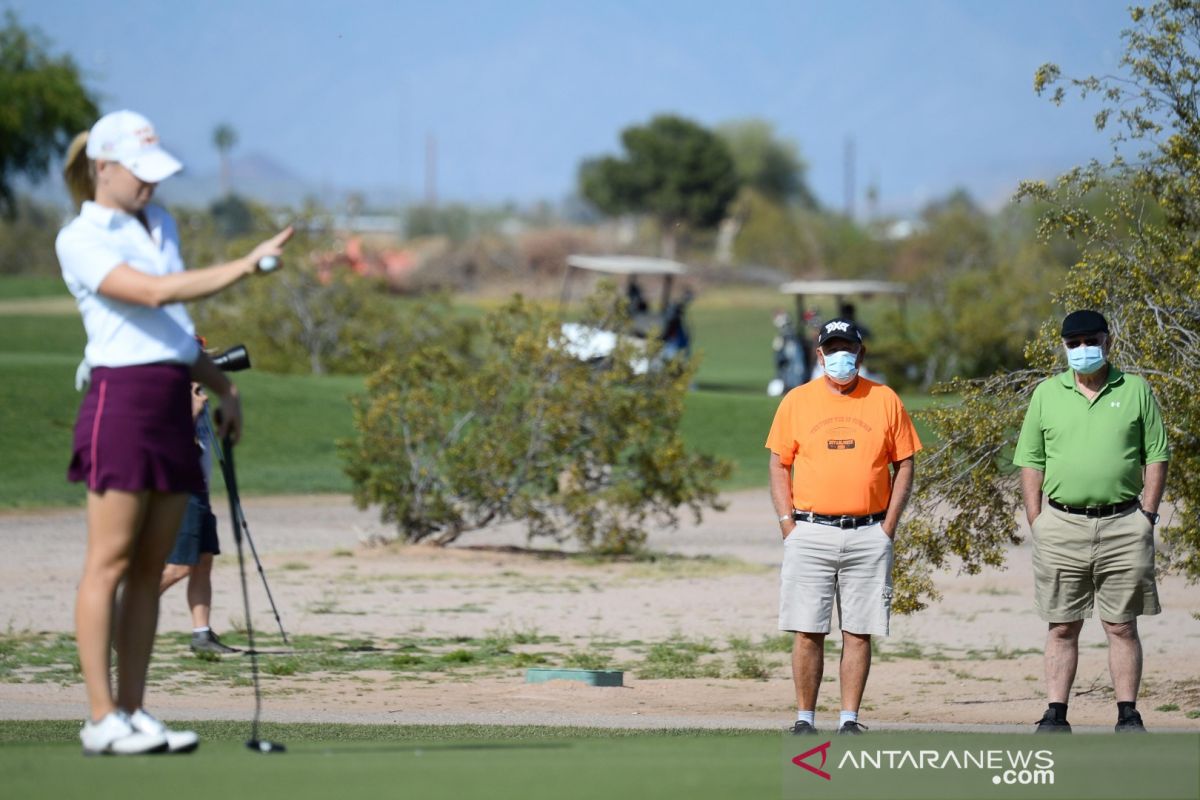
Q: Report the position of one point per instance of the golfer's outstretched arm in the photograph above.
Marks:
(131, 285)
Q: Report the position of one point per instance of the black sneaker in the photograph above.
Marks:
(852, 728)
(207, 642)
(1049, 723)
(802, 728)
(1130, 723)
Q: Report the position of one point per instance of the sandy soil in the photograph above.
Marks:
(326, 580)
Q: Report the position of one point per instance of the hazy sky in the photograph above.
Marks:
(935, 94)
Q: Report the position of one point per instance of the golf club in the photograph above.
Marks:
(240, 525)
(227, 470)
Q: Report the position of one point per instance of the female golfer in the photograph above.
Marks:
(134, 440)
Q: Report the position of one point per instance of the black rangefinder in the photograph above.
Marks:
(235, 359)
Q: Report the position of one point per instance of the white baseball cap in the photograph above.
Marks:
(128, 138)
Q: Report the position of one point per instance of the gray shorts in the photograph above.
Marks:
(823, 565)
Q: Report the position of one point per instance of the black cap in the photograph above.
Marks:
(839, 328)
(1080, 322)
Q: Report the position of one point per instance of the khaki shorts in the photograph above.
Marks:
(822, 565)
(1079, 560)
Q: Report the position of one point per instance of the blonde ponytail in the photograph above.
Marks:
(79, 171)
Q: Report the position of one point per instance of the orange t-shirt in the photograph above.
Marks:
(840, 446)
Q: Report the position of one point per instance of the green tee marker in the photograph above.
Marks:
(592, 677)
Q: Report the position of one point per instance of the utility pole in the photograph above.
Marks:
(430, 171)
(848, 176)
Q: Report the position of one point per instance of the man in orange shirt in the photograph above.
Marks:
(838, 503)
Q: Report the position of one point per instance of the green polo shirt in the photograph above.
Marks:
(1092, 451)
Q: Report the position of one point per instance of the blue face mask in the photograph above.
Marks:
(1085, 359)
(841, 366)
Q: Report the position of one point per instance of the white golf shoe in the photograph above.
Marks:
(177, 741)
(115, 735)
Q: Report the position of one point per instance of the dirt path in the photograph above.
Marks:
(972, 659)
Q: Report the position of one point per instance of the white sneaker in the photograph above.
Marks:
(177, 741)
(114, 735)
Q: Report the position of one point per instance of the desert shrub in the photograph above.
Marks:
(503, 423)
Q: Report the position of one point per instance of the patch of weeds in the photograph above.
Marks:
(902, 650)
(295, 566)
(740, 643)
(528, 659)
(459, 657)
(779, 643)
(326, 605)
(342, 552)
(587, 659)
(465, 608)
(751, 666)
(678, 658)
(1194, 714)
(1000, 652)
(282, 667)
(1168, 707)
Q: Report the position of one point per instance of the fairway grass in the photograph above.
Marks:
(42, 759)
(294, 421)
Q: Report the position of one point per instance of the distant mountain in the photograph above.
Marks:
(259, 177)
(255, 176)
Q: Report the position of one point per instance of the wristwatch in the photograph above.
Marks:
(785, 518)
(1152, 517)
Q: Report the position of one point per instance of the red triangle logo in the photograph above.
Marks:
(823, 749)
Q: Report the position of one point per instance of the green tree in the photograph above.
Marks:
(1138, 264)
(292, 321)
(43, 104)
(460, 432)
(673, 169)
(225, 139)
(770, 166)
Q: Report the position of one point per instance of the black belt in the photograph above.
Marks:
(844, 521)
(1095, 511)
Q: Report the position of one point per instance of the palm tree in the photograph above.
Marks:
(224, 138)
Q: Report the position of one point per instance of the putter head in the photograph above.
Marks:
(264, 746)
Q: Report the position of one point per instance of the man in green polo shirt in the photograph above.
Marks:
(1092, 442)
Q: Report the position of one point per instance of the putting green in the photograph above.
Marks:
(529, 764)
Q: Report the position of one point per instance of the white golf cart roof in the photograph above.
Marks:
(627, 265)
(843, 287)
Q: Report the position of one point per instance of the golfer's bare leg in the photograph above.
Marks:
(113, 519)
(1062, 658)
(854, 668)
(808, 665)
(1124, 658)
(173, 574)
(199, 591)
(139, 602)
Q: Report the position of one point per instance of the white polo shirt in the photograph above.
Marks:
(123, 334)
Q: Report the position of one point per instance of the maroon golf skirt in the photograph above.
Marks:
(135, 432)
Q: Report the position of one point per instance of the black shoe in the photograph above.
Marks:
(802, 728)
(207, 642)
(1130, 723)
(1049, 723)
(852, 728)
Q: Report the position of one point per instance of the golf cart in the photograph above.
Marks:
(668, 324)
(794, 350)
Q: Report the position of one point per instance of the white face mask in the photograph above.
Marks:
(1086, 358)
(841, 367)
